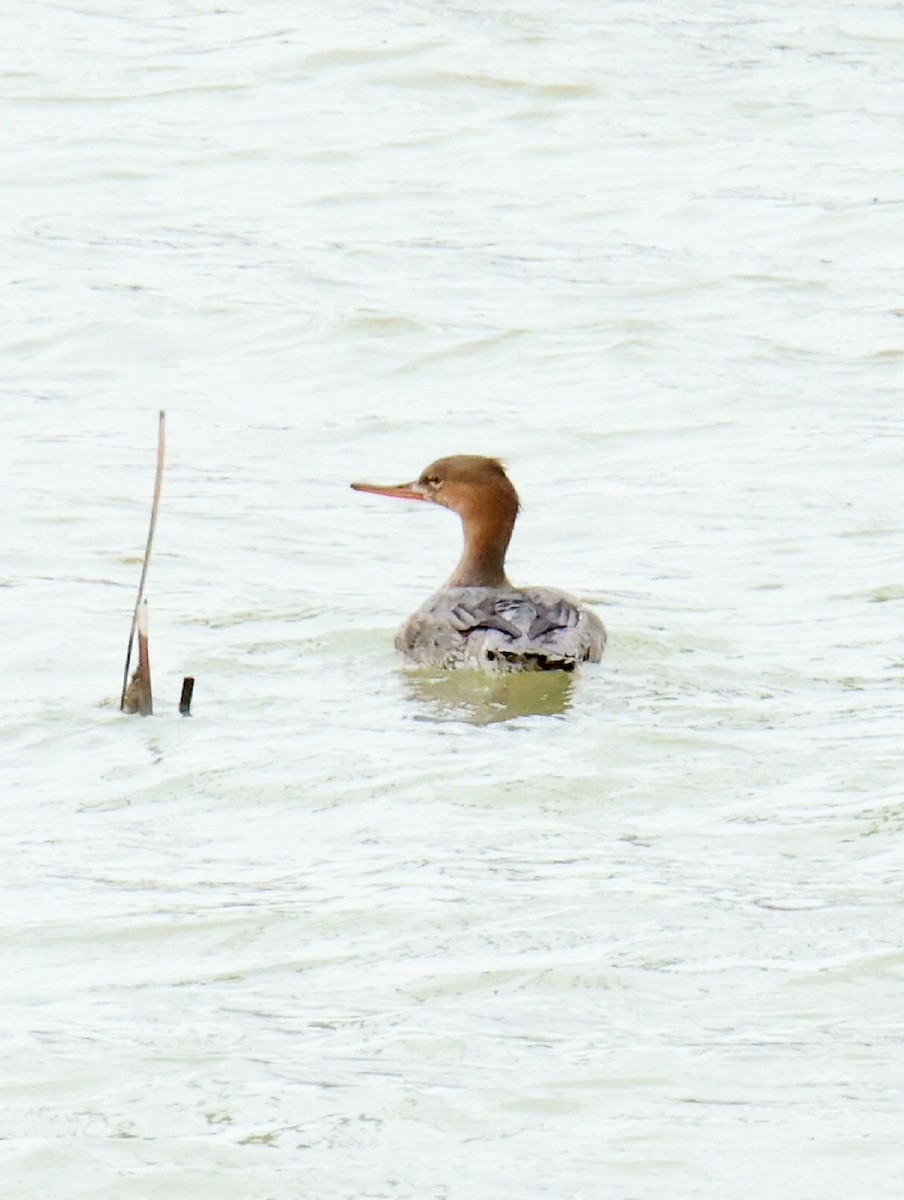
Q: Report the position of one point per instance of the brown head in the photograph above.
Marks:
(479, 490)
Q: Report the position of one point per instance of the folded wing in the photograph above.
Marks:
(531, 629)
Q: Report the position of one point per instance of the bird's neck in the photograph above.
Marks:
(487, 531)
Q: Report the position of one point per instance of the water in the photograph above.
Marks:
(352, 933)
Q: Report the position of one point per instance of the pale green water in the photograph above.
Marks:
(352, 933)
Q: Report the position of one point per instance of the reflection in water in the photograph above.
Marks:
(484, 699)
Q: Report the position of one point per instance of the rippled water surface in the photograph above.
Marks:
(351, 932)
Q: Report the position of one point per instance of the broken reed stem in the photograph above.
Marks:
(188, 686)
(138, 697)
(161, 447)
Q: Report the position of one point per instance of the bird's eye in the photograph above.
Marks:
(431, 481)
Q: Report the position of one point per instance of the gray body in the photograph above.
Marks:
(503, 629)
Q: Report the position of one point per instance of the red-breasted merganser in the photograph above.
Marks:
(478, 619)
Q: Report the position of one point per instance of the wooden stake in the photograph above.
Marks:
(161, 447)
(188, 686)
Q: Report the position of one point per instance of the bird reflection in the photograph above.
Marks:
(485, 699)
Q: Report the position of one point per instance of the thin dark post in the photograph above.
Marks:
(188, 686)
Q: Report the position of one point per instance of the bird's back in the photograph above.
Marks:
(507, 629)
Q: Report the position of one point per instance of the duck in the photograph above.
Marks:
(478, 618)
